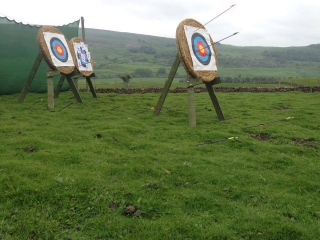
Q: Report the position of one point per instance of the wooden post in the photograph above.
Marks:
(191, 107)
(50, 92)
(84, 40)
(215, 102)
(89, 83)
(58, 89)
(76, 83)
(82, 28)
(30, 78)
(167, 85)
(74, 89)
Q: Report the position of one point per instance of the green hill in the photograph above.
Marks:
(140, 55)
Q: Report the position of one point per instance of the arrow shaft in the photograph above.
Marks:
(219, 41)
(262, 124)
(66, 106)
(219, 15)
(216, 16)
(226, 37)
(220, 140)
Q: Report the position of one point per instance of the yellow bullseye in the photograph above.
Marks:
(59, 49)
(201, 49)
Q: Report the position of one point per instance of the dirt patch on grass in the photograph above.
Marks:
(282, 108)
(113, 206)
(308, 142)
(261, 136)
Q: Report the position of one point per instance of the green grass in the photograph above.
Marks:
(159, 82)
(91, 160)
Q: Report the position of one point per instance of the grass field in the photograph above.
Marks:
(73, 171)
(159, 82)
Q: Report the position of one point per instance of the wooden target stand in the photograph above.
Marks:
(193, 77)
(78, 71)
(65, 71)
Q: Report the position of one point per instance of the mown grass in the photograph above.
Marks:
(159, 82)
(91, 160)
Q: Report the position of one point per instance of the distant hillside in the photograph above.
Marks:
(115, 53)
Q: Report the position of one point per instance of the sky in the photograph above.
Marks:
(281, 23)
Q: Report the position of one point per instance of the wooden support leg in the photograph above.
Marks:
(32, 73)
(167, 85)
(74, 89)
(76, 84)
(215, 102)
(50, 92)
(57, 92)
(192, 107)
(89, 83)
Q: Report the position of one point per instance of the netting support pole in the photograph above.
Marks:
(84, 40)
(82, 28)
(30, 78)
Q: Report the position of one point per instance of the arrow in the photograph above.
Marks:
(67, 106)
(219, 140)
(121, 105)
(227, 37)
(217, 16)
(219, 41)
(37, 101)
(262, 124)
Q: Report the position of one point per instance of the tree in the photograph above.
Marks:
(161, 72)
(142, 72)
(125, 78)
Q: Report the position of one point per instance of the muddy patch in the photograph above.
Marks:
(261, 136)
(308, 142)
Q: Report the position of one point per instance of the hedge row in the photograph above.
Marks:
(307, 89)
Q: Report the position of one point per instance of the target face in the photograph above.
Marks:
(201, 48)
(83, 56)
(201, 51)
(58, 49)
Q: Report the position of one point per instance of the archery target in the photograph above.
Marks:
(196, 50)
(81, 56)
(201, 51)
(58, 49)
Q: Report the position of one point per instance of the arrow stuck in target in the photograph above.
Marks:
(217, 16)
(218, 41)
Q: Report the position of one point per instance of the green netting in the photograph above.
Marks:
(18, 51)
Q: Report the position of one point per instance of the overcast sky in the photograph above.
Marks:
(281, 23)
